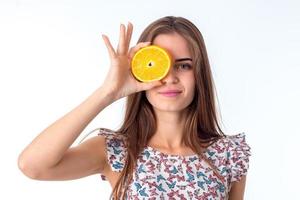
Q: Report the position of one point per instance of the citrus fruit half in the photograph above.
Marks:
(150, 63)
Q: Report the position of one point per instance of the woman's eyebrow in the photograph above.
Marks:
(183, 59)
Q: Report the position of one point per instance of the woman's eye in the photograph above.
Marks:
(184, 66)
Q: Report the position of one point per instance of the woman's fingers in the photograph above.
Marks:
(128, 35)
(109, 47)
(122, 41)
(134, 49)
(149, 85)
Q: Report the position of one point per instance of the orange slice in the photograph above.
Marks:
(150, 63)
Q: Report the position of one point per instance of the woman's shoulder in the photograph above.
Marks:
(231, 142)
(115, 142)
(110, 133)
(237, 144)
(112, 136)
(238, 138)
(237, 152)
(115, 148)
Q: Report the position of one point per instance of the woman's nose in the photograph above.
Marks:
(171, 77)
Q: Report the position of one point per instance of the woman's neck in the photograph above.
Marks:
(169, 133)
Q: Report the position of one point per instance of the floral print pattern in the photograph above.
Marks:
(163, 176)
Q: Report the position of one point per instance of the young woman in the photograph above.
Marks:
(169, 147)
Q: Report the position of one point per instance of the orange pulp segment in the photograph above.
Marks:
(150, 63)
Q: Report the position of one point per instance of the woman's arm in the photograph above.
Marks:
(238, 189)
(49, 157)
(49, 148)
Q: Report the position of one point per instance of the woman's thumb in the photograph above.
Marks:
(150, 85)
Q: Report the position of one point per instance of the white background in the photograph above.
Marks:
(52, 57)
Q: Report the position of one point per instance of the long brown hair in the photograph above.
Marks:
(201, 125)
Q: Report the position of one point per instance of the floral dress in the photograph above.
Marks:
(163, 176)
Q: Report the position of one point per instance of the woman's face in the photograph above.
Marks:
(180, 76)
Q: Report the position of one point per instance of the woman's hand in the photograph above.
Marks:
(119, 81)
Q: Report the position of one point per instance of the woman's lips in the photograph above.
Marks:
(170, 94)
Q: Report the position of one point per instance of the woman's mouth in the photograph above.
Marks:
(170, 94)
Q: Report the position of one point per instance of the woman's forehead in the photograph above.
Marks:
(174, 43)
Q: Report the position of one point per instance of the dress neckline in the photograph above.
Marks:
(157, 152)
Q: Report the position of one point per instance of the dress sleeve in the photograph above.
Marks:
(115, 149)
(238, 155)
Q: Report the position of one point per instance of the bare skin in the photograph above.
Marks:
(170, 111)
(50, 155)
